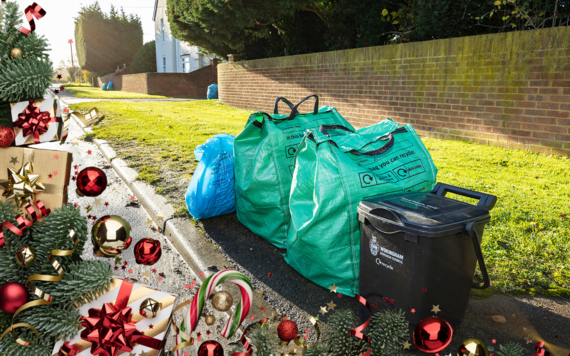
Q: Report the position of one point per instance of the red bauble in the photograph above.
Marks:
(12, 296)
(432, 335)
(210, 348)
(91, 182)
(147, 251)
(6, 136)
(287, 330)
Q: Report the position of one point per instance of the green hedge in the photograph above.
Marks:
(145, 59)
(104, 41)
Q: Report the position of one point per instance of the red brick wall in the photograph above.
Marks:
(190, 85)
(510, 90)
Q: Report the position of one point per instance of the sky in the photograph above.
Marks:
(58, 24)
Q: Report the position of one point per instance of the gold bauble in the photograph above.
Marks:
(111, 236)
(222, 301)
(472, 347)
(25, 257)
(15, 53)
(150, 308)
(210, 319)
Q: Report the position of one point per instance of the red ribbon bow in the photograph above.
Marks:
(23, 224)
(33, 121)
(68, 350)
(33, 10)
(110, 330)
(540, 351)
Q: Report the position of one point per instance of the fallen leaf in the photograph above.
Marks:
(499, 318)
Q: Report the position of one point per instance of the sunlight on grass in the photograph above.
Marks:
(526, 245)
(83, 91)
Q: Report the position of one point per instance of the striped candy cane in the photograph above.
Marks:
(207, 288)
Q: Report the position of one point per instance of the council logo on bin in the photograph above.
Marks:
(374, 247)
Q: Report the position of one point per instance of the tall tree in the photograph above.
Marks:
(105, 41)
(260, 29)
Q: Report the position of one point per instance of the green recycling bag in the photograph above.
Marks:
(332, 175)
(263, 166)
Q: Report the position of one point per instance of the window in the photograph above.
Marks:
(163, 64)
(186, 64)
(162, 28)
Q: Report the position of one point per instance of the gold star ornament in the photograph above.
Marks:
(407, 345)
(436, 309)
(323, 310)
(331, 305)
(22, 184)
(333, 288)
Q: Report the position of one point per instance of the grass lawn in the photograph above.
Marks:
(86, 91)
(526, 245)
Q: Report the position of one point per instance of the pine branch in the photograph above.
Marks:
(52, 320)
(52, 232)
(264, 340)
(82, 282)
(9, 270)
(511, 349)
(337, 338)
(11, 16)
(389, 332)
(315, 349)
(24, 78)
(32, 45)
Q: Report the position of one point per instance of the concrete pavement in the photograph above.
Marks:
(224, 242)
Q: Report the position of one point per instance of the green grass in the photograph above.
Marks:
(526, 245)
(85, 91)
(70, 85)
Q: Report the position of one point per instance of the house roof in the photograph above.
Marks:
(154, 12)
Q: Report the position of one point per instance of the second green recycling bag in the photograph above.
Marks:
(263, 166)
(332, 175)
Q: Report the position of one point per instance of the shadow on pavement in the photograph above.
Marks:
(526, 318)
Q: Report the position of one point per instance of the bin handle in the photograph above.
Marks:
(486, 201)
(280, 98)
(472, 231)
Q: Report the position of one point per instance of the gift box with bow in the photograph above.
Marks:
(52, 168)
(113, 325)
(37, 121)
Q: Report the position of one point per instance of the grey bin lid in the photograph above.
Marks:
(419, 213)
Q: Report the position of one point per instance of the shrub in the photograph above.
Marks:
(145, 59)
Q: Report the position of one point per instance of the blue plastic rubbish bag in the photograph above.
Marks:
(211, 190)
(110, 86)
(213, 91)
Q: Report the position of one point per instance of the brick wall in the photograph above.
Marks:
(191, 85)
(510, 90)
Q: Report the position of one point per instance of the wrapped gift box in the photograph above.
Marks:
(138, 293)
(37, 121)
(53, 167)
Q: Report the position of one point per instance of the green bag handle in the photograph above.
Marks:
(294, 111)
(390, 137)
(280, 98)
(385, 148)
(324, 129)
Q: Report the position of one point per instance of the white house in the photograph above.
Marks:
(172, 55)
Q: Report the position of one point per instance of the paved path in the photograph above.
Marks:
(70, 99)
(171, 273)
(224, 242)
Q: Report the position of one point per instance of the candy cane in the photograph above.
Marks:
(207, 288)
